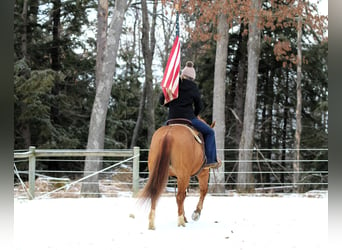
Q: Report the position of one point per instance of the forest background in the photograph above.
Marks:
(56, 75)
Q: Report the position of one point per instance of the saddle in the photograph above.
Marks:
(188, 124)
(179, 121)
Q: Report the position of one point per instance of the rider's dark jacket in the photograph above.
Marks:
(188, 104)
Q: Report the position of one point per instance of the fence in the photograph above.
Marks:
(271, 174)
(34, 153)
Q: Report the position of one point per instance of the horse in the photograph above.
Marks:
(175, 150)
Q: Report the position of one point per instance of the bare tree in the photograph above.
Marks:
(25, 129)
(219, 99)
(247, 137)
(148, 42)
(138, 122)
(102, 26)
(296, 164)
(24, 32)
(240, 84)
(104, 80)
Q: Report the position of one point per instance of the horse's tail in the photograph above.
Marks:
(158, 173)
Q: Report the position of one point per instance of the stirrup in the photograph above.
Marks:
(213, 165)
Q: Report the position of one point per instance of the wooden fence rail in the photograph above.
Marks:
(34, 153)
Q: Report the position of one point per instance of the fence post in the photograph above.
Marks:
(136, 151)
(32, 170)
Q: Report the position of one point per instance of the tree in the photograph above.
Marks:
(240, 84)
(217, 16)
(247, 136)
(55, 55)
(102, 96)
(220, 94)
(39, 60)
(24, 33)
(102, 26)
(296, 164)
(148, 42)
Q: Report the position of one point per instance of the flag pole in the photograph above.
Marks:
(170, 80)
(177, 19)
(178, 30)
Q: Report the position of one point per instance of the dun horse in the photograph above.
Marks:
(175, 150)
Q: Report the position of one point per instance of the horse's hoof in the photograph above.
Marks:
(151, 226)
(181, 221)
(181, 224)
(195, 216)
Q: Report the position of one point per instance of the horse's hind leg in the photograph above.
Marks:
(203, 178)
(151, 216)
(182, 184)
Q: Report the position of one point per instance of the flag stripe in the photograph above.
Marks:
(170, 80)
(171, 64)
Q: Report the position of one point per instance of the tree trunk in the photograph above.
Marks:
(102, 24)
(26, 133)
(24, 31)
(55, 58)
(32, 23)
(265, 133)
(97, 125)
(148, 42)
(143, 93)
(296, 164)
(219, 99)
(240, 85)
(25, 129)
(245, 177)
(285, 122)
(140, 116)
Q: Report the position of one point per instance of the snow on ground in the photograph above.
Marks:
(238, 222)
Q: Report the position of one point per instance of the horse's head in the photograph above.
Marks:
(212, 124)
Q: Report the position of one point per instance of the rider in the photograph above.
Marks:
(188, 106)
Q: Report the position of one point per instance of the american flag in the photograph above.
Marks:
(170, 80)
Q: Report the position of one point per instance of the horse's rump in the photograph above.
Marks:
(175, 152)
(187, 152)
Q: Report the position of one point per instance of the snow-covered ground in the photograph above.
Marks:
(236, 222)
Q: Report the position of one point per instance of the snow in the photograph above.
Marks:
(235, 222)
